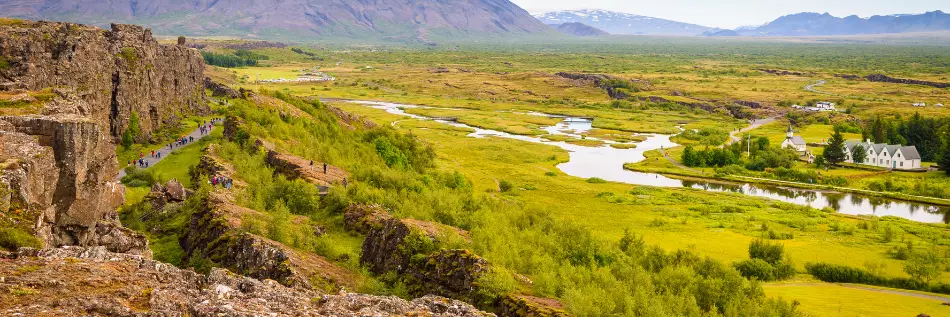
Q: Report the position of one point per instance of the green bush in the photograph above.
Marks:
(835, 273)
(596, 180)
(756, 269)
(12, 239)
(135, 177)
(505, 186)
(773, 253)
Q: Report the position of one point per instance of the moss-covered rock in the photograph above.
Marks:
(363, 218)
(530, 306)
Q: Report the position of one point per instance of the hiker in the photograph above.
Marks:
(344, 182)
(324, 168)
(191, 139)
(311, 164)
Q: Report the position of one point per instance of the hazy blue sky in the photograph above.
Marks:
(734, 13)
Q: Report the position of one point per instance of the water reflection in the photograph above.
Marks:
(606, 162)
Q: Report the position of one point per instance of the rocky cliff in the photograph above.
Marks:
(103, 75)
(60, 173)
(59, 161)
(75, 281)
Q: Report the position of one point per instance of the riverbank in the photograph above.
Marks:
(738, 180)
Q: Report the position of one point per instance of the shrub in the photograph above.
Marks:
(596, 180)
(135, 177)
(756, 269)
(772, 253)
(505, 186)
(12, 239)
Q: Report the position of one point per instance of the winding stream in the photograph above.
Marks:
(606, 162)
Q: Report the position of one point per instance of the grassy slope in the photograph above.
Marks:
(492, 81)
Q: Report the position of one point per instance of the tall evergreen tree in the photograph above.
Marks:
(878, 130)
(834, 153)
(945, 157)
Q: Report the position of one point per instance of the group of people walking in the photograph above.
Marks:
(207, 126)
(222, 181)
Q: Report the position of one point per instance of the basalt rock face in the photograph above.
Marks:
(112, 73)
(449, 273)
(888, 79)
(599, 80)
(409, 247)
(215, 234)
(75, 281)
(61, 173)
(220, 90)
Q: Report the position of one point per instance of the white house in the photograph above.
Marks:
(793, 141)
(885, 155)
(825, 106)
(821, 106)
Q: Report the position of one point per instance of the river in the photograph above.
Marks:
(606, 162)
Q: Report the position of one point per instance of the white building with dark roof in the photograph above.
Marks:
(886, 155)
(793, 141)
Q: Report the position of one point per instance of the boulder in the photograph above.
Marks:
(363, 218)
(73, 281)
(172, 192)
(175, 191)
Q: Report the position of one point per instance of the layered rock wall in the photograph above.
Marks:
(114, 73)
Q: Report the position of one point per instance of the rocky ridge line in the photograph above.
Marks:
(75, 281)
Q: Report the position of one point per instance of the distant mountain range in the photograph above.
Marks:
(578, 29)
(417, 20)
(623, 23)
(422, 20)
(815, 24)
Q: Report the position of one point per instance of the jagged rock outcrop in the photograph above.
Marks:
(351, 121)
(215, 234)
(599, 80)
(220, 90)
(295, 167)
(780, 72)
(210, 165)
(411, 248)
(62, 174)
(750, 104)
(364, 218)
(887, 79)
(523, 305)
(111, 73)
(75, 281)
(449, 273)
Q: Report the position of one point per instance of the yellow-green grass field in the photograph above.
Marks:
(723, 236)
(825, 299)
